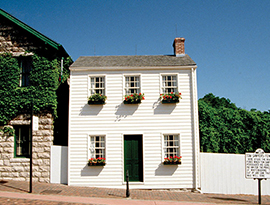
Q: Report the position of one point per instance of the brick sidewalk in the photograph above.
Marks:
(152, 195)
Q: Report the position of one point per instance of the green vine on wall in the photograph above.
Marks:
(8, 130)
(40, 94)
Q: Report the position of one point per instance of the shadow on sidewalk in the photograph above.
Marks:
(228, 199)
(3, 183)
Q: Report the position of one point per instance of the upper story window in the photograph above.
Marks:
(25, 64)
(132, 85)
(97, 85)
(22, 141)
(171, 145)
(169, 84)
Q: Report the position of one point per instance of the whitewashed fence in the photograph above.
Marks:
(59, 164)
(220, 173)
(225, 174)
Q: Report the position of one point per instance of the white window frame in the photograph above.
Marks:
(164, 146)
(126, 88)
(92, 146)
(92, 90)
(163, 87)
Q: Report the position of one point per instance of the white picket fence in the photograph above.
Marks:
(59, 164)
(225, 174)
(220, 173)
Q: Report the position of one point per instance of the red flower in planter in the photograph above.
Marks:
(170, 97)
(172, 160)
(133, 98)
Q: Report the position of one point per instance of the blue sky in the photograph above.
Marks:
(229, 40)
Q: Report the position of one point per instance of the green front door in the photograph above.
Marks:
(133, 157)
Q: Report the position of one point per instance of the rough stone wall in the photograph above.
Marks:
(18, 168)
(12, 41)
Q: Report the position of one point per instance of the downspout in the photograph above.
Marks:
(196, 145)
(61, 76)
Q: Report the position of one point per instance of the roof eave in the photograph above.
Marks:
(123, 68)
(34, 32)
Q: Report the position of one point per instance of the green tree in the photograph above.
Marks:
(224, 128)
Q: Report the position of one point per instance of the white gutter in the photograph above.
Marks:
(196, 139)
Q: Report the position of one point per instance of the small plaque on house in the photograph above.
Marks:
(257, 165)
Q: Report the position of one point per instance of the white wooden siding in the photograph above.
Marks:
(115, 119)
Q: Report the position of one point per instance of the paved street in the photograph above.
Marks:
(15, 192)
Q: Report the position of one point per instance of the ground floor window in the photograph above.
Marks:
(171, 145)
(97, 146)
(22, 141)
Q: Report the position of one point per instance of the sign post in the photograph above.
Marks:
(258, 167)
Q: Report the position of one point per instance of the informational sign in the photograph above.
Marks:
(35, 123)
(258, 165)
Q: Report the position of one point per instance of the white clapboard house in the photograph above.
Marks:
(135, 128)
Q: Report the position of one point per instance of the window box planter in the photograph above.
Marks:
(164, 101)
(97, 99)
(96, 164)
(134, 98)
(134, 102)
(96, 102)
(172, 163)
(97, 161)
(172, 160)
(170, 97)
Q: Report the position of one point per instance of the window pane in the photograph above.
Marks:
(97, 85)
(171, 145)
(97, 146)
(169, 84)
(22, 140)
(25, 64)
(132, 85)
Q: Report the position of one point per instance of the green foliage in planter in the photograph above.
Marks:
(134, 98)
(170, 97)
(100, 161)
(41, 92)
(172, 160)
(97, 99)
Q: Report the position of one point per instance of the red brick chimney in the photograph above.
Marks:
(179, 47)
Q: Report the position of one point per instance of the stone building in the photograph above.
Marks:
(22, 42)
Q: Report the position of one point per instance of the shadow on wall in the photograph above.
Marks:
(165, 170)
(124, 110)
(163, 109)
(91, 170)
(91, 109)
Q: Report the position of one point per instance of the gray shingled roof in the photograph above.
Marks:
(132, 61)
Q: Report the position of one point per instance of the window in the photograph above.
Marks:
(132, 85)
(22, 141)
(169, 84)
(97, 85)
(171, 145)
(25, 64)
(97, 146)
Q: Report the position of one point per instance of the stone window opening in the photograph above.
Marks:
(25, 64)
(22, 141)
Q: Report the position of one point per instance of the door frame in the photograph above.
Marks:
(123, 158)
